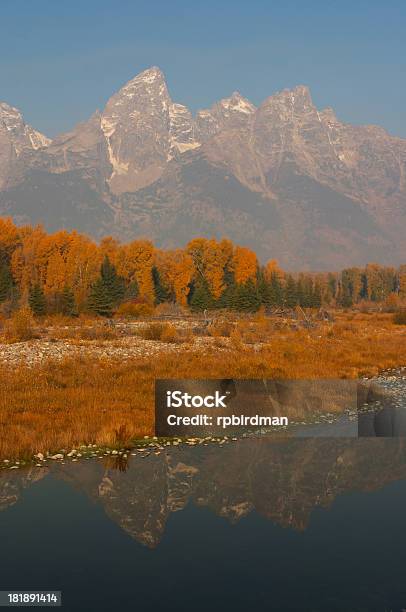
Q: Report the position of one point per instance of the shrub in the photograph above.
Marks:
(169, 334)
(96, 332)
(153, 331)
(134, 310)
(400, 317)
(221, 329)
(164, 332)
(20, 327)
(391, 303)
(170, 308)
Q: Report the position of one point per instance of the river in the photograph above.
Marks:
(315, 525)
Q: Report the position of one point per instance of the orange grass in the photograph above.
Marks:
(85, 400)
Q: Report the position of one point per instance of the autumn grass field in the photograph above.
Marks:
(87, 399)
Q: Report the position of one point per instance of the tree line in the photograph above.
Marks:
(68, 273)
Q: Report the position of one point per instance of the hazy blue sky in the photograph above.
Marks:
(60, 60)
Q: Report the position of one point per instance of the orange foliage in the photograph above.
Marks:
(245, 265)
(176, 269)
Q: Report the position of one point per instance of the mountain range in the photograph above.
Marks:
(286, 179)
(282, 481)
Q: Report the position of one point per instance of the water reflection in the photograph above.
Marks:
(283, 481)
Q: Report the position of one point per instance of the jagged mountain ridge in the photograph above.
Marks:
(285, 178)
(284, 483)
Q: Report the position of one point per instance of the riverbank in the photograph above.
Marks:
(106, 398)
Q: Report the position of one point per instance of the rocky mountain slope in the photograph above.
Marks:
(285, 178)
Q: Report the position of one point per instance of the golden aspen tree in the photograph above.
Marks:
(134, 263)
(245, 265)
(176, 269)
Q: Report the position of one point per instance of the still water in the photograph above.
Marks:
(277, 525)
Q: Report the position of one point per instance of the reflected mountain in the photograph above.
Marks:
(281, 480)
(13, 483)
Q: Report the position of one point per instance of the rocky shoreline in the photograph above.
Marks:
(37, 352)
(393, 380)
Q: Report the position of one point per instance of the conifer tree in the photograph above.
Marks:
(306, 297)
(263, 289)
(275, 291)
(317, 297)
(227, 298)
(67, 302)
(247, 298)
(200, 296)
(6, 282)
(290, 297)
(346, 289)
(301, 295)
(113, 283)
(100, 301)
(161, 293)
(36, 300)
(132, 292)
(107, 292)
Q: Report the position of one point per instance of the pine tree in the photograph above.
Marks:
(113, 283)
(132, 292)
(317, 297)
(301, 294)
(200, 296)
(67, 303)
(275, 291)
(346, 289)
(107, 292)
(290, 297)
(160, 291)
(6, 282)
(263, 289)
(36, 300)
(247, 298)
(306, 291)
(100, 301)
(227, 298)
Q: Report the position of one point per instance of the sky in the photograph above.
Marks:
(60, 61)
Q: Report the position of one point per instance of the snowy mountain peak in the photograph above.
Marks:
(21, 135)
(237, 103)
(150, 75)
(151, 80)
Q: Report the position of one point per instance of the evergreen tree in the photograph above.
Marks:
(100, 301)
(132, 292)
(227, 298)
(200, 297)
(290, 297)
(301, 293)
(113, 283)
(346, 289)
(6, 282)
(247, 298)
(161, 293)
(317, 297)
(67, 303)
(36, 300)
(263, 289)
(306, 296)
(332, 285)
(275, 291)
(107, 292)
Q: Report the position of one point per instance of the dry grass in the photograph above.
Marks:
(20, 327)
(400, 317)
(163, 332)
(57, 406)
